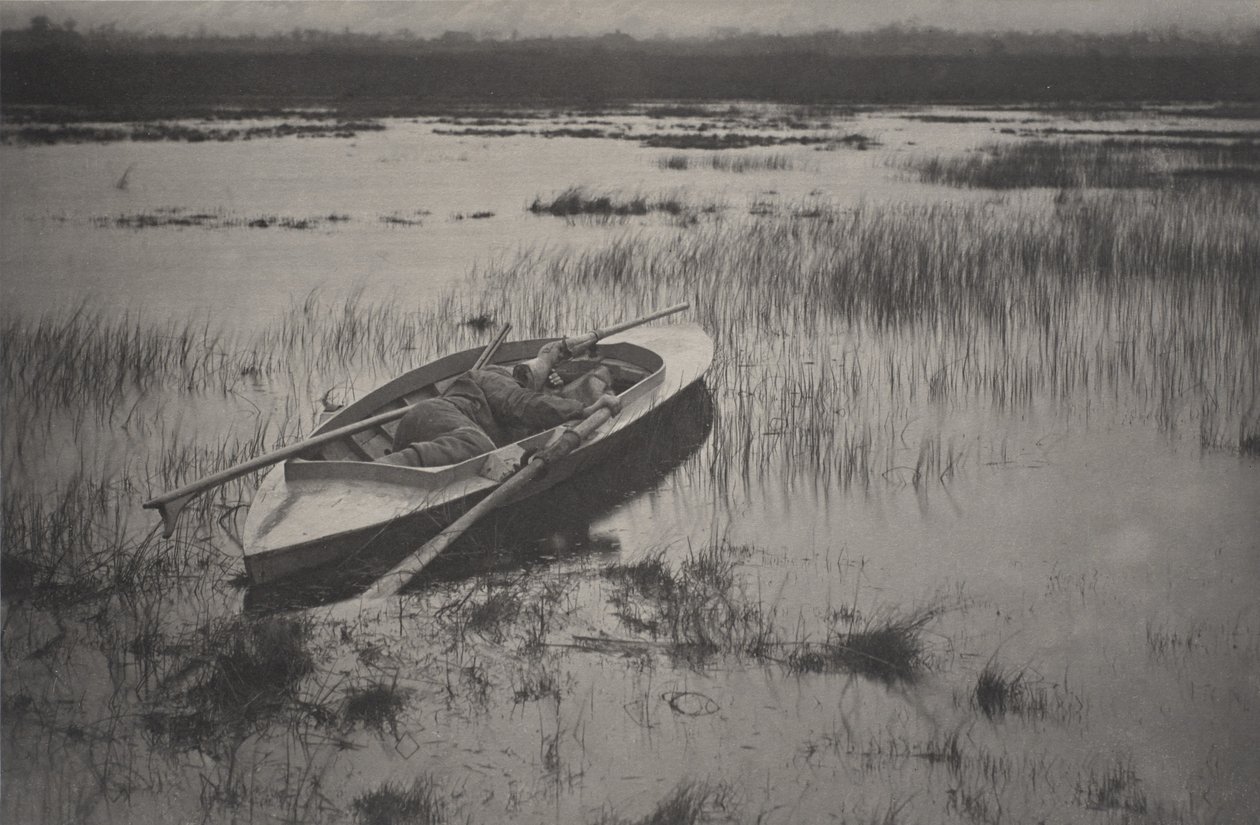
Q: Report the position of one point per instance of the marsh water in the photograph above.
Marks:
(1072, 505)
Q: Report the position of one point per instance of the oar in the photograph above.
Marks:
(169, 505)
(570, 438)
(578, 341)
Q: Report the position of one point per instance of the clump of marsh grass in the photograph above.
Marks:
(1113, 788)
(238, 674)
(728, 163)
(375, 706)
(998, 692)
(422, 803)
(888, 648)
(489, 615)
(687, 804)
(577, 201)
(698, 609)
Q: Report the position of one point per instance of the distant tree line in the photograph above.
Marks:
(51, 63)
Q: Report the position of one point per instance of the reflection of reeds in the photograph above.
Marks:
(701, 610)
(687, 804)
(423, 803)
(1114, 787)
(75, 544)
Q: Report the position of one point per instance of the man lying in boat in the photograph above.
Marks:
(487, 408)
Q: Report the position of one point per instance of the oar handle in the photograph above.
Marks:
(578, 341)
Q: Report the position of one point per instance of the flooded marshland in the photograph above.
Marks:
(961, 528)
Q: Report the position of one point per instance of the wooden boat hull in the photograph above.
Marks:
(313, 512)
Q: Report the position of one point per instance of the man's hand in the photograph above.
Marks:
(609, 402)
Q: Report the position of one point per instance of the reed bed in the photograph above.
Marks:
(728, 163)
(1071, 164)
(839, 338)
(577, 201)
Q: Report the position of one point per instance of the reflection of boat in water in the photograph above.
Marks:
(539, 530)
(335, 506)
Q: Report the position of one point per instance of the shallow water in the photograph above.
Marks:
(1111, 560)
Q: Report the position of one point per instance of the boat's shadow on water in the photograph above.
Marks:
(543, 529)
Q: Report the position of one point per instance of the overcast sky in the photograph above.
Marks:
(641, 18)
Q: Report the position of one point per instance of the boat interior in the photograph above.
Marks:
(375, 442)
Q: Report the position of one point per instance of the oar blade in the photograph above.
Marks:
(169, 509)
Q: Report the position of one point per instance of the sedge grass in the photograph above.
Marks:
(1074, 164)
(422, 803)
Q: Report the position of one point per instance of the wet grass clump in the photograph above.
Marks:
(998, 692)
(728, 163)
(423, 803)
(687, 804)
(1114, 788)
(489, 616)
(886, 649)
(257, 662)
(732, 140)
(237, 676)
(376, 706)
(576, 201)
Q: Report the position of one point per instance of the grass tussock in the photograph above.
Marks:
(888, 649)
(998, 692)
(698, 609)
(376, 706)
(422, 803)
(688, 804)
(728, 163)
(576, 201)
(489, 616)
(1114, 787)
(233, 677)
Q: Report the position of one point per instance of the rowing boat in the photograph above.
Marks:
(334, 501)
